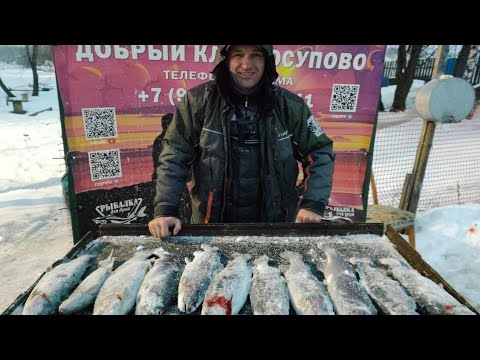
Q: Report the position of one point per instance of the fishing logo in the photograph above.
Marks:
(120, 212)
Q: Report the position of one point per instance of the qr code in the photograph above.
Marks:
(100, 123)
(104, 164)
(344, 97)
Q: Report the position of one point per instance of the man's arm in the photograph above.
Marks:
(172, 171)
(318, 184)
(317, 148)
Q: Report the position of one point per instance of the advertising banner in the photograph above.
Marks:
(114, 97)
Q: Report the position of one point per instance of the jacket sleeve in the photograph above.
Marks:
(176, 154)
(316, 148)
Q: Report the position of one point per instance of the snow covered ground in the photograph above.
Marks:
(35, 228)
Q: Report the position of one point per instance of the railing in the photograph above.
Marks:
(424, 70)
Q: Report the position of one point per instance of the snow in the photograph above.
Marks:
(35, 227)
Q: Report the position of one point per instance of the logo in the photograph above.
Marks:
(120, 212)
(313, 126)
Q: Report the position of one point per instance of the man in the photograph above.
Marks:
(242, 136)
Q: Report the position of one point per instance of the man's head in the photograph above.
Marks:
(242, 68)
(246, 65)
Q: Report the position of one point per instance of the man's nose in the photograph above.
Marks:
(247, 62)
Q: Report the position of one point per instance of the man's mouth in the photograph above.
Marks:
(246, 75)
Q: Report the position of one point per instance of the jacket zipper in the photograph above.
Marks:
(226, 144)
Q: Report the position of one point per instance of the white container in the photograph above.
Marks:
(448, 99)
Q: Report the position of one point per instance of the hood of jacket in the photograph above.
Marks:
(270, 67)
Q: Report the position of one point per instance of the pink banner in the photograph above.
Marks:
(114, 97)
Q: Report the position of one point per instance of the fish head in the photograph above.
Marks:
(291, 256)
(39, 303)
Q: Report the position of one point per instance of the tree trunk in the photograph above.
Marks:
(461, 60)
(8, 92)
(471, 63)
(32, 59)
(404, 75)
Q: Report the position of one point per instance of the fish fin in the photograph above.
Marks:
(108, 261)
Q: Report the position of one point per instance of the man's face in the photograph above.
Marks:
(246, 64)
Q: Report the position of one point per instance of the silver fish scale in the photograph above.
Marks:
(388, 294)
(229, 290)
(269, 293)
(348, 295)
(307, 294)
(196, 277)
(86, 293)
(160, 286)
(118, 294)
(55, 286)
(430, 297)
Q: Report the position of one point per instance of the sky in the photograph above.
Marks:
(35, 227)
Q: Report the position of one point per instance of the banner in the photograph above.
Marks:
(115, 95)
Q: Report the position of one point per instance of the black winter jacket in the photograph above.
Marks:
(198, 136)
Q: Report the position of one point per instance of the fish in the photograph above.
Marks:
(118, 294)
(387, 293)
(55, 286)
(308, 295)
(348, 295)
(159, 288)
(229, 290)
(86, 293)
(197, 276)
(430, 297)
(269, 292)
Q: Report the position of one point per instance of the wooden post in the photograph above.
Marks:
(413, 184)
(18, 107)
(423, 152)
(440, 61)
(406, 184)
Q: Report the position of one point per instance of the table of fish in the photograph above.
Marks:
(351, 275)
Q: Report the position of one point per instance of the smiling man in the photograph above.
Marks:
(246, 64)
(242, 136)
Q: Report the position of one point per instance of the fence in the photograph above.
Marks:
(424, 70)
(453, 167)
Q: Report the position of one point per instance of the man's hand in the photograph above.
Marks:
(307, 216)
(160, 226)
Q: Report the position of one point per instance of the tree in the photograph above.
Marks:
(8, 92)
(461, 60)
(408, 56)
(32, 59)
(471, 62)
